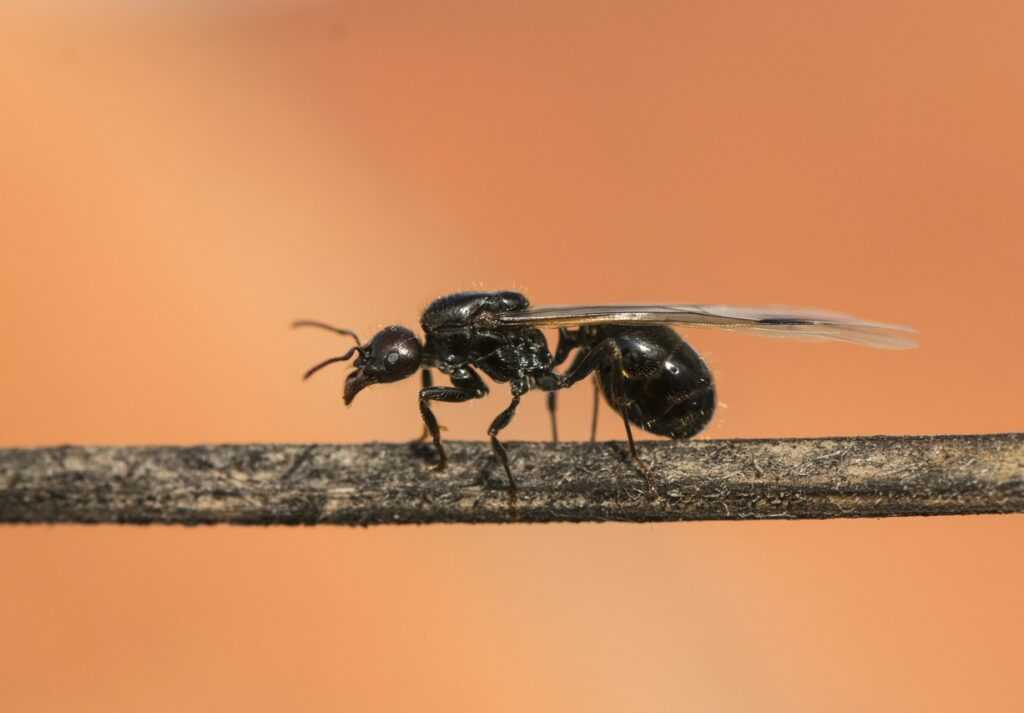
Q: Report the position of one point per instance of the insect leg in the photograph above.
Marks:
(467, 385)
(552, 407)
(567, 341)
(551, 382)
(618, 392)
(607, 352)
(572, 375)
(428, 381)
(519, 387)
(586, 361)
(593, 417)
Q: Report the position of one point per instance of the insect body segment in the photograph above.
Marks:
(665, 388)
(646, 372)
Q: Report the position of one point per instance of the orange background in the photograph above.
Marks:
(180, 180)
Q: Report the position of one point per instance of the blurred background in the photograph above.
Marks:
(182, 179)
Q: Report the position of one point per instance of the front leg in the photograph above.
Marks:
(467, 385)
(428, 381)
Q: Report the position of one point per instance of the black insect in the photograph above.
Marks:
(647, 373)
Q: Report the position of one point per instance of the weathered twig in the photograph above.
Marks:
(393, 483)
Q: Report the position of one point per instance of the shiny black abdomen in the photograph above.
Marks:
(668, 387)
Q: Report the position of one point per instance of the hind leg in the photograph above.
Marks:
(608, 355)
(576, 371)
(567, 341)
(552, 408)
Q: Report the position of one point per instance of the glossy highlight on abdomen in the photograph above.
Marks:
(668, 389)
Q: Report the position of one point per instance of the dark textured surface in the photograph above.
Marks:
(394, 483)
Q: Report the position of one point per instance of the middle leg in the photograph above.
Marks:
(519, 387)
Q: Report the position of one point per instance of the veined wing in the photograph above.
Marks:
(774, 321)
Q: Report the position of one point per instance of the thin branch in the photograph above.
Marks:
(569, 482)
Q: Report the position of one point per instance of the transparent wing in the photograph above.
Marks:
(774, 321)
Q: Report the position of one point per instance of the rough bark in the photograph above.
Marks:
(381, 483)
